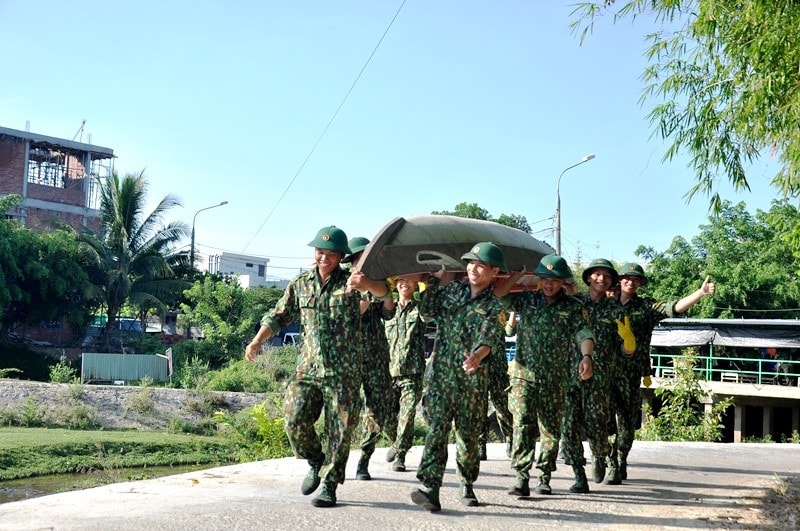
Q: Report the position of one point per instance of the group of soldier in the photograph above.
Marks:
(579, 364)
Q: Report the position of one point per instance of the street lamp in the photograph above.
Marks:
(587, 158)
(191, 251)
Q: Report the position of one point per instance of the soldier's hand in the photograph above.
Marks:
(586, 367)
(625, 332)
(471, 362)
(708, 287)
(252, 351)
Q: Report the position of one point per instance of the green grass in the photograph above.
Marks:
(26, 452)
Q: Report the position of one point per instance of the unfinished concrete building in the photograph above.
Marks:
(56, 178)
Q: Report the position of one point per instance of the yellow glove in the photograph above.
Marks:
(391, 282)
(646, 381)
(625, 332)
(422, 286)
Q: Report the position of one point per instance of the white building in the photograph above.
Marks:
(251, 271)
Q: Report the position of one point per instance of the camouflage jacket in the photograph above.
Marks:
(405, 330)
(548, 336)
(602, 316)
(463, 324)
(330, 321)
(644, 314)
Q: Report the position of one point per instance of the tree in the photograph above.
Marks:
(133, 255)
(473, 211)
(228, 314)
(725, 75)
(754, 269)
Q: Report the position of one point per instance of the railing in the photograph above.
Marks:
(732, 369)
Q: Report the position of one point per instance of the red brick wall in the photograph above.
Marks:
(12, 165)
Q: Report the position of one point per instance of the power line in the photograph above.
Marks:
(325, 130)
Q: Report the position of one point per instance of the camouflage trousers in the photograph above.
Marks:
(304, 402)
(406, 394)
(447, 403)
(586, 412)
(532, 403)
(379, 412)
(498, 394)
(624, 416)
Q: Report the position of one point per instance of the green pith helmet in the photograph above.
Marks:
(332, 239)
(553, 266)
(601, 263)
(633, 270)
(356, 245)
(487, 252)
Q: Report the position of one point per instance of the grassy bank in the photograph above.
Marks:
(26, 452)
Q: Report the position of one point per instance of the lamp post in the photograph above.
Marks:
(191, 251)
(587, 158)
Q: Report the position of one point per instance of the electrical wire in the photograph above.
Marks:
(325, 130)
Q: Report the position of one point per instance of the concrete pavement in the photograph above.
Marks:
(670, 486)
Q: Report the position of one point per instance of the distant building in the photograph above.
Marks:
(251, 271)
(56, 178)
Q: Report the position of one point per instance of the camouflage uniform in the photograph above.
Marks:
(548, 352)
(451, 395)
(328, 373)
(497, 365)
(405, 331)
(626, 401)
(376, 382)
(587, 403)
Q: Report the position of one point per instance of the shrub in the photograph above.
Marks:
(62, 372)
(682, 416)
(258, 430)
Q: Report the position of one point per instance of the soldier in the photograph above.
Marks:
(644, 314)
(455, 382)
(328, 373)
(497, 365)
(375, 378)
(587, 404)
(405, 330)
(551, 333)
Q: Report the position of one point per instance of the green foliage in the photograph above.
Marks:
(34, 366)
(142, 402)
(682, 416)
(473, 211)
(723, 74)
(29, 414)
(62, 372)
(753, 267)
(228, 315)
(9, 373)
(268, 374)
(259, 432)
(134, 256)
(35, 452)
(192, 374)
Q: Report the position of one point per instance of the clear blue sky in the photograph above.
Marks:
(479, 101)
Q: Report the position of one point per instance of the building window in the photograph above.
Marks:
(247, 264)
(47, 167)
(262, 270)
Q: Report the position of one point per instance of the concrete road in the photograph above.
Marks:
(670, 486)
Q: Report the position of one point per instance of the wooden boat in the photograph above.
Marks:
(419, 244)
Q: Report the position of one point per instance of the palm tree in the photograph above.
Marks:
(134, 254)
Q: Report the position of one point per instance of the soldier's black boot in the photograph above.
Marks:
(391, 453)
(468, 497)
(544, 484)
(399, 464)
(623, 466)
(327, 496)
(427, 497)
(581, 485)
(599, 469)
(520, 488)
(362, 472)
(311, 481)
